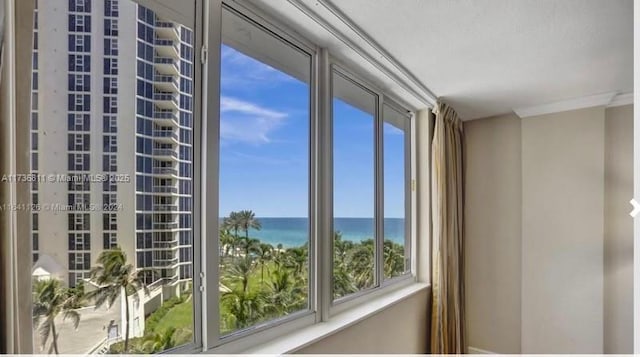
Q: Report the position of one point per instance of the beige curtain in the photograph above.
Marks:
(15, 240)
(447, 310)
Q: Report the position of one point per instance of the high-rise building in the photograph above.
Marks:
(113, 130)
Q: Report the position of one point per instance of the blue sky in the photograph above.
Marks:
(264, 147)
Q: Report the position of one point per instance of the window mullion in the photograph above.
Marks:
(209, 173)
(325, 187)
(379, 193)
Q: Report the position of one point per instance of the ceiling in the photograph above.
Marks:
(489, 57)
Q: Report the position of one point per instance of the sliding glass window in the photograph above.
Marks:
(396, 186)
(354, 186)
(264, 181)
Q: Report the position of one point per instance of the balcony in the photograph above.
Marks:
(165, 245)
(166, 48)
(169, 190)
(165, 225)
(167, 30)
(166, 100)
(165, 262)
(167, 154)
(165, 171)
(166, 65)
(166, 136)
(166, 117)
(166, 83)
(166, 207)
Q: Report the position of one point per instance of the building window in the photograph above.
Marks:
(110, 143)
(78, 142)
(78, 162)
(79, 261)
(109, 240)
(79, 241)
(109, 163)
(109, 222)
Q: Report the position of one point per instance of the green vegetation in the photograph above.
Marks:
(169, 326)
(258, 282)
(265, 282)
(50, 299)
(113, 275)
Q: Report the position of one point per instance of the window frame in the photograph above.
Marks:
(382, 286)
(324, 309)
(262, 332)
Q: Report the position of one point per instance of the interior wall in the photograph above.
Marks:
(568, 213)
(492, 251)
(562, 232)
(401, 328)
(618, 231)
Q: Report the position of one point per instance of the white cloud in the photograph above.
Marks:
(246, 122)
(240, 71)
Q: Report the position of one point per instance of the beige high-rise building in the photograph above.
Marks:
(111, 139)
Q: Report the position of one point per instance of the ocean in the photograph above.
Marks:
(293, 232)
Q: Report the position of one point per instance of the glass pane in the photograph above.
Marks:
(353, 186)
(264, 177)
(112, 131)
(395, 158)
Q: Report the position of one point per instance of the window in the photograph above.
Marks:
(78, 162)
(264, 178)
(110, 143)
(397, 193)
(322, 179)
(79, 241)
(79, 63)
(109, 240)
(109, 222)
(78, 142)
(354, 190)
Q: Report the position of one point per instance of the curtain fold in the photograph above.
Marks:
(15, 226)
(447, 273)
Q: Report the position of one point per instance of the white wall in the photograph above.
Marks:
(618, 231)
(568, 212)
(562, 232)
(401, 328)
(492, 251)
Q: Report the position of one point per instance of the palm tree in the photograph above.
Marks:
(227, 241)
(115, 277)
(233, 223)
(240, 272)
(297, 259)
(265, 254)
(248, 220)
(244, 307)
(159, 341)
(285, 296)
(50, 299)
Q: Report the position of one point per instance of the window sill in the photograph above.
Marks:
(307, 336)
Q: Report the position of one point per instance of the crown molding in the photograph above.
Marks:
(621, 99)
(565, 105)
(327, 15)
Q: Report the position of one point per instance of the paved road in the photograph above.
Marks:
(92, 329)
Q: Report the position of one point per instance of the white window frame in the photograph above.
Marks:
(79, 101)
(324, 309)
(79, 80)
(79, 61)
(79, 43)
(78, 121)
(79, 22)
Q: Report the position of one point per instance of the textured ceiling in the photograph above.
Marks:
(488, 57)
